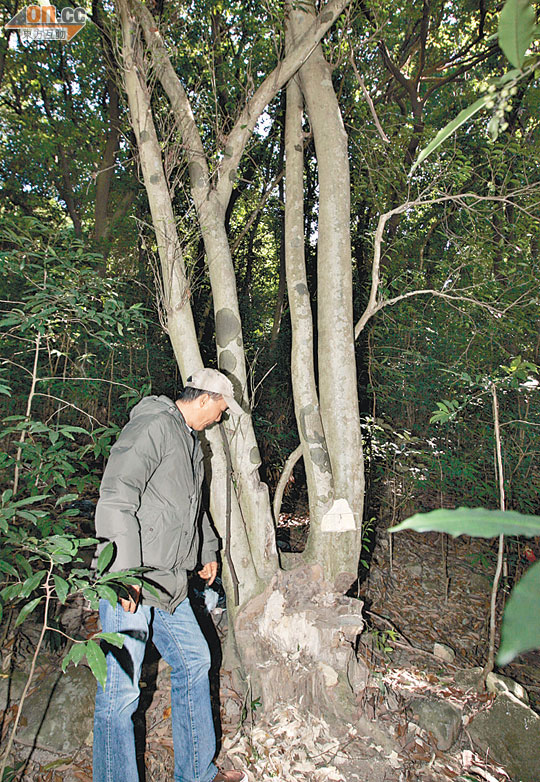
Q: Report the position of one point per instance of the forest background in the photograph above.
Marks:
(429, 301)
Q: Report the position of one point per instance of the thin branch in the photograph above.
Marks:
(500, 554)
(253, 216)
(374, 305)
(369, 102)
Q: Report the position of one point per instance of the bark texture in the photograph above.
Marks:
(335, 540)
(175, 293)
(306, 401)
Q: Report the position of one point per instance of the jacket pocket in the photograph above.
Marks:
(160, 536)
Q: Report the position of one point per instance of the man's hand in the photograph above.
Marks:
(130, 604)
(209, 572)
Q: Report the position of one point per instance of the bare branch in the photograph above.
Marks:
(369, 102)
(374, 305)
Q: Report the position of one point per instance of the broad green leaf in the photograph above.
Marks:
(516, 30)
(510, 76)
(10, 592)
(62, 588)
(25, 514)
(22, 562)
(477, 522)
(60, 558)
(30, 500)
(451, 128)
(114, 639)
(120, 578)
(32, 583)
(105, 557)
(97, 662)
(520, 630)
(6, 567)
(75, 655)
(87, 542)
(107, 593)
(26, 610)
(63, 543)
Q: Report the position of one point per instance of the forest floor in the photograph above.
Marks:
(419, 590)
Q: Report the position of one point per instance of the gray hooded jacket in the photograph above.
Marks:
(150, 501)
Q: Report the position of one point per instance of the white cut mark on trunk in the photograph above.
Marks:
(339, 518)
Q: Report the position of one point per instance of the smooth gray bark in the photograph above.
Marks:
(175, 289)
(337, 539)
(306, 402)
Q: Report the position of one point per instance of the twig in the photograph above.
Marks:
(500, 555)
(369, 102)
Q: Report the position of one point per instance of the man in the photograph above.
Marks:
(150, 508)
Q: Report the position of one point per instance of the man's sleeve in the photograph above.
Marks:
(133, 460)
(210, 543)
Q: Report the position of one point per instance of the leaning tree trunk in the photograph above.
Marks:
(175, 288)
(337, 538)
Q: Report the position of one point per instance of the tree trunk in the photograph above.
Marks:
(337, 538)
(175, 293)
(211, 196)
(105, 175)
(306, 403)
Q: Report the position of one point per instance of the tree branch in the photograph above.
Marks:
(374, 305)
(369, 102)
(249, 116)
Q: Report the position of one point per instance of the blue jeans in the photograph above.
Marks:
(180, 642)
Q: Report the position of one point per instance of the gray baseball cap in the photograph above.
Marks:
(211, 380)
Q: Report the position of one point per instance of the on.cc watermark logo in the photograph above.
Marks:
(44, 23)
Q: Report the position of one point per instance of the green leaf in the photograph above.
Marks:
(114, 639)
(516, 30)
(107, 593)
(87, 542)
(5, 567)
(97, 662)
(23, 564)
(520, 630)
(66, 498)
(449, 129)
(30, 500)
(477, 522)
(75, 655)
(32, 583)
(10, 592)
(26, 610)
(62, 588)
(105, 557)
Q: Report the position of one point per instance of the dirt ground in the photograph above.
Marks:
(419, 590)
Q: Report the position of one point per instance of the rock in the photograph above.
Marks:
(11, 687)
(59, 714)
(414, 570)
(496, 684)
(444, 652)
(510, 732)
(439, 718)
(468, 679)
